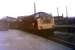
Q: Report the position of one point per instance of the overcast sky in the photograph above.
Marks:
(16, 8)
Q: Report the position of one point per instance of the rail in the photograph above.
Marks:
(64, 25)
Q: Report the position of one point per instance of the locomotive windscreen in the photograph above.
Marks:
(46, 19)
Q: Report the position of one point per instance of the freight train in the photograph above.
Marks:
(38, 22)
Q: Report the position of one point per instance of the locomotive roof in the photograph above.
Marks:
(41, 14)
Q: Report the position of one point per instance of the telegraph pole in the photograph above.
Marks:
(66, 12)
(33, 24)
(58, 12)
(34, 8)
(66, 15)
